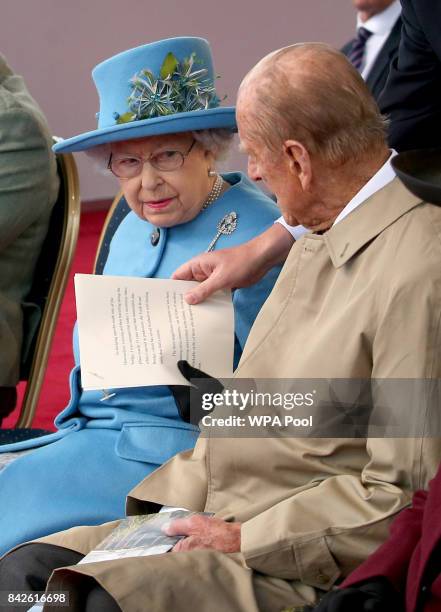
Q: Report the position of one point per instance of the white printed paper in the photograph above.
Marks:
(133, 331)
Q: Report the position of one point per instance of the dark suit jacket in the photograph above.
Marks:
(377, 76)
(411, 558)
(412, 96)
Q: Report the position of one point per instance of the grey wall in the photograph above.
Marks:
(54, 44)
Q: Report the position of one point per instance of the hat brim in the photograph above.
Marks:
(212, 118)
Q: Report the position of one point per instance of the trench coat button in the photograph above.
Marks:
(322, 578)
(154, 237)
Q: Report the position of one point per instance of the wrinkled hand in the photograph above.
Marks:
(205, 532)
(375, 596)
(237, 267)
(224, 269)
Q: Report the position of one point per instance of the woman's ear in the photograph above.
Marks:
(209, 159)
(299, 162)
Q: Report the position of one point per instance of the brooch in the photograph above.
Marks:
(225, 227)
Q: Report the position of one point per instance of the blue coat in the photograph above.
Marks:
(81, 474)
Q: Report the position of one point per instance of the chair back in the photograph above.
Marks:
(117, 212)
(50, 278)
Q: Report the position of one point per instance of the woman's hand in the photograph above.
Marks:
(189, 400)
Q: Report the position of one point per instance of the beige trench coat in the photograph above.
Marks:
(362, 301)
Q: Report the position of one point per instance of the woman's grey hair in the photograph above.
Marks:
(100, 156)
(217, 141)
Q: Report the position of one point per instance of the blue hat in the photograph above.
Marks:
(160, 88)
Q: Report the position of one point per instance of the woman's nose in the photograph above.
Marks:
(150, 177)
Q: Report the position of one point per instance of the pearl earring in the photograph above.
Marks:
(212, 173)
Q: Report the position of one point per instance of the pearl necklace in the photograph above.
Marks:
(214, 193)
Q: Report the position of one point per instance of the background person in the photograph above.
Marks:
(376, 42)
(28, 190)
(412, 95)
(295, 515)
(107, 441)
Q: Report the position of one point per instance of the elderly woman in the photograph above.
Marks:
(161, 131)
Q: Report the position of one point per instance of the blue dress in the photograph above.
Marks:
(81, 474)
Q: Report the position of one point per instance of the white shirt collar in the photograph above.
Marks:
(383, 22)
(380, 179)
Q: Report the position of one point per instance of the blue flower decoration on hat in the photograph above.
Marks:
(162, 87)
(180, 88)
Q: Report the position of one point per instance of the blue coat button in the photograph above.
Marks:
(154, 237)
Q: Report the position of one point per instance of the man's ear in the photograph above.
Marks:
(299, 162)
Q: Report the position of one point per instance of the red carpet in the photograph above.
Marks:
(55, 392)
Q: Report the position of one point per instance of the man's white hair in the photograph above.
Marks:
(310, 92)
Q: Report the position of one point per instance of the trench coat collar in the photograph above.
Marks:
(368, 220)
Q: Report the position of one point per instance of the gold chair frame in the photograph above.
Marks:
(109, 215)
(69, 178)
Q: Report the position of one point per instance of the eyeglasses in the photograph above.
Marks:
(129, 166)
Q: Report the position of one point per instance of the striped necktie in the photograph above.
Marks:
(358, 46)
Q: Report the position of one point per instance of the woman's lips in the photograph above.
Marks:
(158, 204)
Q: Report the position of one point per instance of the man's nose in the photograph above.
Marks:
(253, 171)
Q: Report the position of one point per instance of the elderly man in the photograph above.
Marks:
(359, 298)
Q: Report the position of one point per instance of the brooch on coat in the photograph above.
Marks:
(225, 227)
